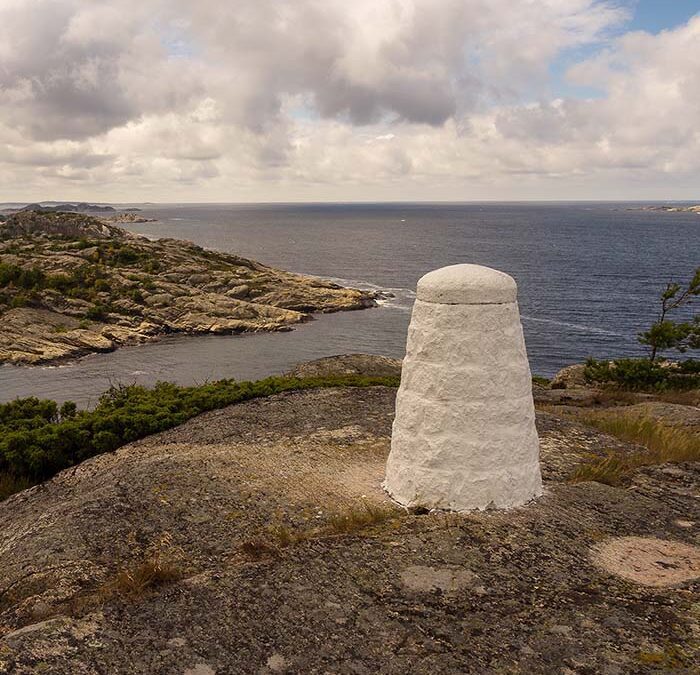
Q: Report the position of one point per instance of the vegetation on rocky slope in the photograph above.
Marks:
(71, 284)
(38, 439)
(664, 334)
(644, 374)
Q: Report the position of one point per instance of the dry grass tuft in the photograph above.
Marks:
(283, 536)
(662, 444)
(357, 518)
(350, 521)
(276, 538)
(159, 565)
(690, 397)
(257, 549)
(616, 396)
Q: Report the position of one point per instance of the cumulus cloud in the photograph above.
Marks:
(418, 61)
(647, 119)
(329, 99)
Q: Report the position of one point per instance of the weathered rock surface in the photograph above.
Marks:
(349, 364)
(541, 589)
(570, 377)
(74, 225)
(103, 287)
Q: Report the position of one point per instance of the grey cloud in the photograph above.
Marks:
(36, 156)
(418, 100)
(60, 90)
(76, 69)
(65, 74)
(418, 61)
(304, 92)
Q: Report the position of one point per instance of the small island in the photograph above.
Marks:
(128, 216)
(72, 284)
(672, 208)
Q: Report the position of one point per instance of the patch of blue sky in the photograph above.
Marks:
(303, 113)
(176, 40)
(652, 16)
(301, 107)
(179, 49)
(561, 86)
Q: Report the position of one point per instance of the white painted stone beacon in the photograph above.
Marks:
(464, 435)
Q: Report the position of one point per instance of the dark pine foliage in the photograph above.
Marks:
(644, 374)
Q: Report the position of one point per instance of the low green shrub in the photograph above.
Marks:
(23, 284)
(37, 439)
(136, 296)
(19, 300)
(98, 312)
(644, 375)
(20, 277)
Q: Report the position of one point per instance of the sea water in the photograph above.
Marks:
(589, 276)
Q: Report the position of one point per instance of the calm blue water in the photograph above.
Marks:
(588, 277)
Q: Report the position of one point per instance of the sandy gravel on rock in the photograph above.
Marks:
(649, 561)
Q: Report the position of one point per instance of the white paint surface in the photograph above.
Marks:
(464, 436)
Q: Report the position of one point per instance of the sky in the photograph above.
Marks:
(330, 100)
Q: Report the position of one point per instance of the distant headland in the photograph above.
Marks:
(72, 284)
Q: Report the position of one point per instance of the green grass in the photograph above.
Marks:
(660, 444)
(37, 439)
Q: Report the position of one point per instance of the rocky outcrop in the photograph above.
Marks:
(129, 217)
(349, 364)
(42, 336)
(570, 377)
(46, 224)
(255, 512)
(91, 286)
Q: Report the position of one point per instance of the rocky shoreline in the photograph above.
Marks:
(72, 285)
